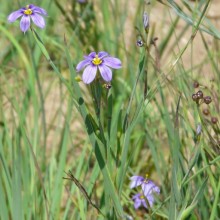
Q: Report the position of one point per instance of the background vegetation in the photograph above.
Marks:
(146, 123)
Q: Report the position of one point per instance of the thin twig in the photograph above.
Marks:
(82, 189)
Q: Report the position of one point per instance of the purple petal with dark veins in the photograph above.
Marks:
(136, 196)
(136, 181)
(105, 72)
(38, 20)
(102, 54)
(90, 56)
(39, 10)
(137, 204)
(15, 15)
(112, 62)
(82, 64)
(89, 74)
(150, 199)
(149, 187)
(143, 202)
(25, 23)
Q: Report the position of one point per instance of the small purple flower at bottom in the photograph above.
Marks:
(30, 11)
(139, 200)
(101, 61)
(147, 185)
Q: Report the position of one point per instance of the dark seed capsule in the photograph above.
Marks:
(205, 111)
(207, 100)
(139, 43)
(199, 94)
(194, 97)
(195, 84)
(214, 120)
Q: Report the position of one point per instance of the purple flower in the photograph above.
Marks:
(101, 61)
(147, 185)
(30, 11)
(139, 200)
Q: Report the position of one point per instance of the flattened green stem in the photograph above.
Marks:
(97, 145)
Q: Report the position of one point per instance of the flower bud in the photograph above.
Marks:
(214, 120)
(146, 20)
(199, 129)
(107, 85)
(195, 84)
(207, 100)
(139, 43)
(205, 111)
(78, 79)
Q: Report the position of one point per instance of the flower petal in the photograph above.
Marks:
(89, 74)
(15, 15)
(137, 204)
(149, 187)
(143, 203)
(90, 56)
(136, 181)
(25, 23)
(150, 199)
(112, 62)
(37, 9)
(82, 64)
(38, 20)
(102, 54)
(136, 196)
(156, 189)
(105, 72)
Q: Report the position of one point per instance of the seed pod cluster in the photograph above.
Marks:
(199, 98)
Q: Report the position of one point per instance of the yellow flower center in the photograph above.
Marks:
(96, 60)
(28, 11)
(141, 196)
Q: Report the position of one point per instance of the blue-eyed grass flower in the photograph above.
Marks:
(28, 13)
(94, 62)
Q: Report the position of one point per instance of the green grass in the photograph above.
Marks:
(51, 124)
